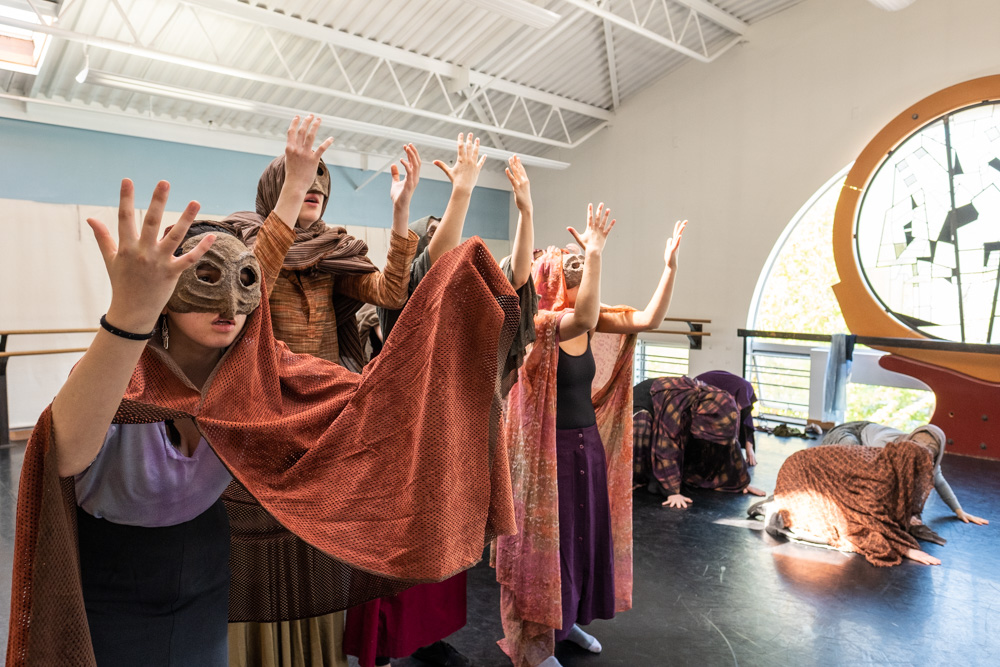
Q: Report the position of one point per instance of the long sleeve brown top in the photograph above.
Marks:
(302, 302)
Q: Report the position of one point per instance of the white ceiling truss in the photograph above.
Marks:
(378, 72)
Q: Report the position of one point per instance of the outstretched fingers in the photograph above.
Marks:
(105, 242)
(154, 214)
(323, 146)
(192, 256)
(412, 161)
(311, 130)
(126, 212)
(446, 169)
(175, 237)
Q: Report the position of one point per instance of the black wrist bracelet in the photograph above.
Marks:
(124, 334)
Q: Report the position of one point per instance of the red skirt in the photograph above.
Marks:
(397, 626)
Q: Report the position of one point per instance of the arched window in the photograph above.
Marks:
(794, 294)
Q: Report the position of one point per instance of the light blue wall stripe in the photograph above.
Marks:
(60, 165)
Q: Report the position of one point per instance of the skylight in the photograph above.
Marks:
(22, 50)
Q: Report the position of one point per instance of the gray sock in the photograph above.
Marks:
(583, 640)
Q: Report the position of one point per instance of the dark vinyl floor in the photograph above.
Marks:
(713, 589)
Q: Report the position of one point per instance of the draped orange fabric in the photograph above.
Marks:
(389, 478)
(527, 563)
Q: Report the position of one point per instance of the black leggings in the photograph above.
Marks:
(157, 597)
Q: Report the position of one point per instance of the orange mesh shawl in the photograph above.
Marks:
(856, 498)
(527, 563)
(378, 492)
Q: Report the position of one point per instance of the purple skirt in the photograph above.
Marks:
(586, 552)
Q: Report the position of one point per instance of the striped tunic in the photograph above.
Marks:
(303, 308)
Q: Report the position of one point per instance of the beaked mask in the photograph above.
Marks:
(321, 183)
(226, 280)
(572, 269)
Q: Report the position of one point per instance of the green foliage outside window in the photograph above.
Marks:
(798, 298)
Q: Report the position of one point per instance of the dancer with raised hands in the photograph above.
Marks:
(571, 560)
(318, 277)
(416, 621)
(124, 554)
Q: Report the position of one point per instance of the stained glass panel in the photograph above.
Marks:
(928, 228)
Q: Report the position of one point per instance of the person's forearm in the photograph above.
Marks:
(944, 490)
(656, 309)
(290, 203)
(87, 402)
(522, 253)
(273, 241)
(387, 288)
(588, 299)
(400, 218)
(449, 231)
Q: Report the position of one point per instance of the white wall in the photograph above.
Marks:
(737, 146)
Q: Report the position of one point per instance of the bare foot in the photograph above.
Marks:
(754, 491)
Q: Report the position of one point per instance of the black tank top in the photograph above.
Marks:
(574, 375)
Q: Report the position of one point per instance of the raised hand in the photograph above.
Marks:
(301, 161)
(595, 235)
(519, 182)
(673, 244)
(401, 190)
(465, 173)
(141, 266)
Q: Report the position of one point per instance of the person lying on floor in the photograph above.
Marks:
(689, 436)
(853, 498)
(871, 434)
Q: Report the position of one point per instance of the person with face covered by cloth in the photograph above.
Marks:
(318, 278)
(124, 554)
(871, 434)
(570, 440)
(417, 620)
(686, 433)
(854, 498)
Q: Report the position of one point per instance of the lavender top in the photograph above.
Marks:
(140, 479)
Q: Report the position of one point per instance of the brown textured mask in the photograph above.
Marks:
(572, 269)
(226, 280)
(321, 183)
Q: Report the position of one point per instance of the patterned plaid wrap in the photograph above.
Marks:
(688, 416)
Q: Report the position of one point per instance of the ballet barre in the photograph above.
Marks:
(694, 334)
(5, 356)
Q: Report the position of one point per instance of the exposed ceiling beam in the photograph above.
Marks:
(284, 113)
(269, 18)
(98, 118)
(649, 34)
(612, 70)
(154, 54)
(520, 10)
(716, 15)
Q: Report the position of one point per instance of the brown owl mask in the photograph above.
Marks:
(226, 280)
